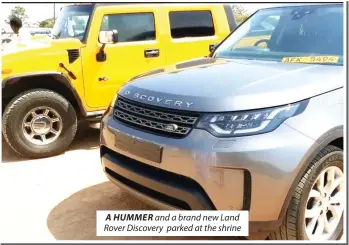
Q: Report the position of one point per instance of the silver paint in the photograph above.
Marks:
(229, 85)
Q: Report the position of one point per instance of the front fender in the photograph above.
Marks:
(322, 121)
(52, 80)
(326, 139)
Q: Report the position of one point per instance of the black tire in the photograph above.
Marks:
(22, 104)
(293, 227)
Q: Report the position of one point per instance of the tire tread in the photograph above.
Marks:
(15, 103)
(288, 228)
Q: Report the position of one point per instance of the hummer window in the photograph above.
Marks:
(72, 22)
(302, 34)
(131, 27)
(261, 31)
(191, 24)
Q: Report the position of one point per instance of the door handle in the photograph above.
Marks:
(103, 79)
(148, 53)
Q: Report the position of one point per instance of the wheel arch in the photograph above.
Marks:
(332, 137)
(52, 80)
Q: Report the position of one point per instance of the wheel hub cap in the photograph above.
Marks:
(325, 204)
(41, 125)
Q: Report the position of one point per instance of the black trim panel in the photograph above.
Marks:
(246, 205)
(61, 77)
(15, 78)
(157, 180)
(148, 192)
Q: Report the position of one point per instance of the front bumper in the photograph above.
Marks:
(201, 171)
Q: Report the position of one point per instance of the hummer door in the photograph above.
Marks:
(137, 50)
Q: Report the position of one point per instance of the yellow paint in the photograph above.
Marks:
(6, 71)
(311, 59)
(124, 60)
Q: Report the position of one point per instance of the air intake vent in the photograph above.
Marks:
(73, 55)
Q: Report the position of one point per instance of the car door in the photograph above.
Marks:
(138, 50)
(192, 31)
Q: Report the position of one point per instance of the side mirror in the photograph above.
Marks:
(106, 37)
(213, 47)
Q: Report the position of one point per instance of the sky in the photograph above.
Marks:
(41, 11)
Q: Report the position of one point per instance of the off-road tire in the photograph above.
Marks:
(15, 112)
(292, 227)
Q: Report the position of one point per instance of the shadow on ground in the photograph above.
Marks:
(86, 139)
(75, 217)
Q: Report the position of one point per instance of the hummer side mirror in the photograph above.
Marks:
(213, 47)
(106, 37)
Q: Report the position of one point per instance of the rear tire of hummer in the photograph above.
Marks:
(39, 123)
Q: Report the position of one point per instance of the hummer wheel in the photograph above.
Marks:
(39, 123)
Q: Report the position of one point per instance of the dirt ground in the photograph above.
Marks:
(57, 198)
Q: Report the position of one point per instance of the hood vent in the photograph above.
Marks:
(73, 55)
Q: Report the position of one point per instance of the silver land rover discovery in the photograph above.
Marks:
(257, 125)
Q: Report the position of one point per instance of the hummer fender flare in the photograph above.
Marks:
(59, 77)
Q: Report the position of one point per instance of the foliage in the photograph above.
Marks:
(19, 12)
(240, 18)
(238, 9)
(79, 23)
(48, 23)
(240, 13)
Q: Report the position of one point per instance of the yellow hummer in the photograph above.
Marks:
(49, 86)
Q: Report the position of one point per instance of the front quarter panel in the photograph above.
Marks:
(39, 57)
(44, 58)
(323, 116)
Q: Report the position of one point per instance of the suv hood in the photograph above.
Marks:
(218, 85)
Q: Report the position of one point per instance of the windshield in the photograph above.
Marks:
(303, 34)
(72, 22)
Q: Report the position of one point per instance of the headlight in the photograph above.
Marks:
(249, 122)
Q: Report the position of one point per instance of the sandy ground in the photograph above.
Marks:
(57, 198)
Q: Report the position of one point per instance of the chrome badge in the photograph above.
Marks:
(160, 100)
(171, 127)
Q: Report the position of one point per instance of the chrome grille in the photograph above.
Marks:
(153, 119)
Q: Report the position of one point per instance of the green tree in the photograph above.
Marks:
(80, 23)
(240, 13)
(238, 9)
(19, 12)
(48, 23)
